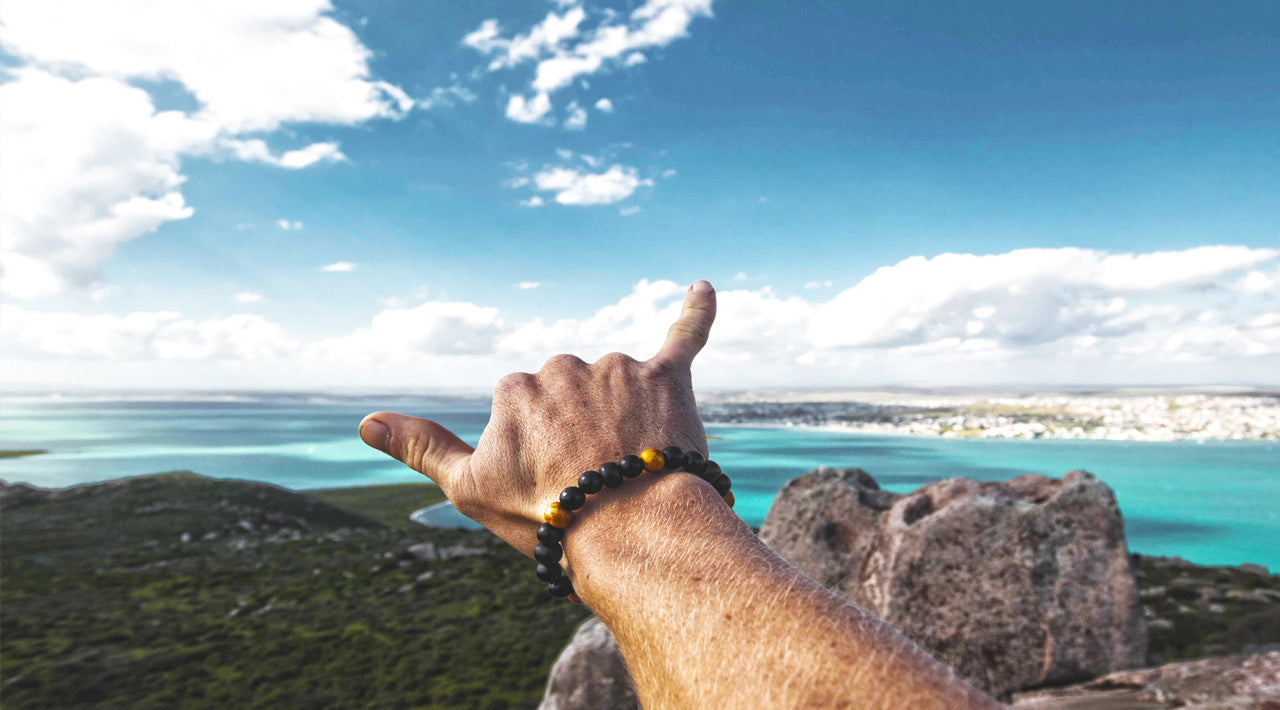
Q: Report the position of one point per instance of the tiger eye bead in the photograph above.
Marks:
(573, 597)
(728, 498)
(556, 516)
(673, 457)
(694, 461)
(653, 461)
(632, 465)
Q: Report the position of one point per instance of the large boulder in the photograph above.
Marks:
(1013, 584)
(590, 673)
(1227, 683)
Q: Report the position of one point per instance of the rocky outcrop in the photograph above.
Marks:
(590, 673)
(1230, 683)
(1013, 584)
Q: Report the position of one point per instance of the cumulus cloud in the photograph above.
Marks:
(1034, 316)
(604, 106)
(576, 120)
(567, 46)
(160, 335)
(90, 163)
(342, 266)
(528, 110)
(573, 186)
(289, 226)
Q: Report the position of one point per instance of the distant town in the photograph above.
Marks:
(1119, 415)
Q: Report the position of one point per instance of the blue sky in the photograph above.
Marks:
(421, 195)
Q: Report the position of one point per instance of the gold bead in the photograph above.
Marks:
(574, 598)
(653, 461)
(555, 516)
(728, 498)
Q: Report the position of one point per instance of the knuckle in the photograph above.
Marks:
(512, 384)
(562, 363)
(616, 361)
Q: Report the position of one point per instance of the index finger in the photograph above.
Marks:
(689, 333)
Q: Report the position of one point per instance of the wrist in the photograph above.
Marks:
(635, 538)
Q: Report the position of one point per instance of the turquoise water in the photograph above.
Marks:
(1210, 502)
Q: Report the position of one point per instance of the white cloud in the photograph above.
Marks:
(527, 285)
(629, 210)
(447, 97)
(563, 50)
(162, 335)
(818, 284)
(435, 328)
(257, 150)
(90, 163)
(668, 173)
(291, 62)
(247, 297)
(522, 110)
(339, 266)
(287, 226)
(604, 106)
(1027, 316)
(577, 118)
(741, 276)
(576, 187)
(533, 201)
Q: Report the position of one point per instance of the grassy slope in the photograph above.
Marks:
(17, 453)
(287, 600)
(290, 602)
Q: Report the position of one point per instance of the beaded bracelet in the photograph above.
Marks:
(557, 515)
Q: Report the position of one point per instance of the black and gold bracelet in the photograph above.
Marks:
(558, 514)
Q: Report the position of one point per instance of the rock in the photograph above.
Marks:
(1013, 584)
(828, 519)
(424, 551)
(1254, 569)
(590, 673)
(1230, 683)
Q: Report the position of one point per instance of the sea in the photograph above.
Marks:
(1210, 502)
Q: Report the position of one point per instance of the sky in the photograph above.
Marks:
(395, 195)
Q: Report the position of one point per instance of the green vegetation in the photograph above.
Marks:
(177, 590)
(389, 505)
(17, 453)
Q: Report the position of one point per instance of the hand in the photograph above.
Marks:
(547, 428)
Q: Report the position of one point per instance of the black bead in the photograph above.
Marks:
(590, 482)
(632, 465)
(611, 474)
(694, 461)
(550, 573)
(550, 534)
(721, 484)
(548, 554)
(672, 457)
(572, 498)
(710, 472)
(560, 588)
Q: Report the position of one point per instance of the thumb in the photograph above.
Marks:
(420, 444)
(691, 329)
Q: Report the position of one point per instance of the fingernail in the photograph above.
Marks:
(702, 286)
(375, 434)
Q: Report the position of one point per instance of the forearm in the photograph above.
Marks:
(707, 616)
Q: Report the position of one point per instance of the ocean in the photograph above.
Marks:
(1212, 502)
